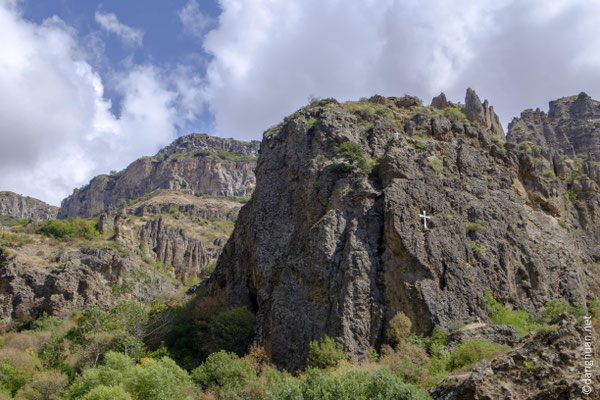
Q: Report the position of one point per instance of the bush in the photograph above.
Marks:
(524, 147)
(571, 195)
(473, 351)
(325, 353)
(149, 380)
(455, 114)
(519, 319)
(44, 386)
(399, 328)
(548, 173)
(475, 226)
(475, 249)
(224, 370)
(408, 361)
(107, 393)
(4, 256)
(455, 325)
(352, 153)
(582, 95)
(232, 331)
(70, 228)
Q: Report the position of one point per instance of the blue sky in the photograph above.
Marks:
(87, 87)
(165, 42)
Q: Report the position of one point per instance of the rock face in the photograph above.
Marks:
(25, 207)
(73, 281)
(145, 251)
(326, 247)
(547, 366)
(195, 163)
(572, 126)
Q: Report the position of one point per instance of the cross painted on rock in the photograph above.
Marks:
(425, 218)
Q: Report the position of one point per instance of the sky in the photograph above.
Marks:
(87, 87)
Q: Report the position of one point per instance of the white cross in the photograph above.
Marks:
(425, 218)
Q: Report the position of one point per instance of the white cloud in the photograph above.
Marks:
(195, 22)
(57, 129)
(110, 22)
(270, 55)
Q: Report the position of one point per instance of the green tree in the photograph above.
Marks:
(325, 353)
(232, 331)
(224, 370)
(352, 153)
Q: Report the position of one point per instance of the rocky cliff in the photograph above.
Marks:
(571, 126)
(25, 207)
(146, 251)
(547, 365)
(194, 163)
(332, 241)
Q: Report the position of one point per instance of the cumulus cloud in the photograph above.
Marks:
(195, 22)
(270, 55)
(110, 23)
(57, 128)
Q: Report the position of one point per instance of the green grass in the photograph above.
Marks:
(548, 173)
(455, 114)
(519, 319)
(473, 351)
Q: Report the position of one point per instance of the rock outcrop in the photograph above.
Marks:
(196, 164)
(31, 284)
(572, 126)
(333, 244)
(549, 365)
(25, 207)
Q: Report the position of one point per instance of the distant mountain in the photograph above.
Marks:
(196, 164)
(18, 206)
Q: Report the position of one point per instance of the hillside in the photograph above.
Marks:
(332, 241)
(12, 204)
(195, 164)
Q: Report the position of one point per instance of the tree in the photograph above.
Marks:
(325, 353)
(352, 153)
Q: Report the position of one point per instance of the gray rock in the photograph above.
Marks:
(25, 207)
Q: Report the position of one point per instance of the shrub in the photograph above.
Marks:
(571, 195)
(524, 147)
(232, 330)
(407, 361)
(475, 249)
(399, 328)
(224, 370)
(455, 114)
(563, 225)
(46, 322)
(420, 146)
(10, 379)
(573, 176)
(473, 351)
(455, 325)
(475, 226)
(519, 319)
(70, 228)
(160, 157)
(107, 393)
(44, 386)
(437, 165)
(4, 256)
(548, 173)
(325, 353)
(582, 95)
(352, 153)
(311, 122)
